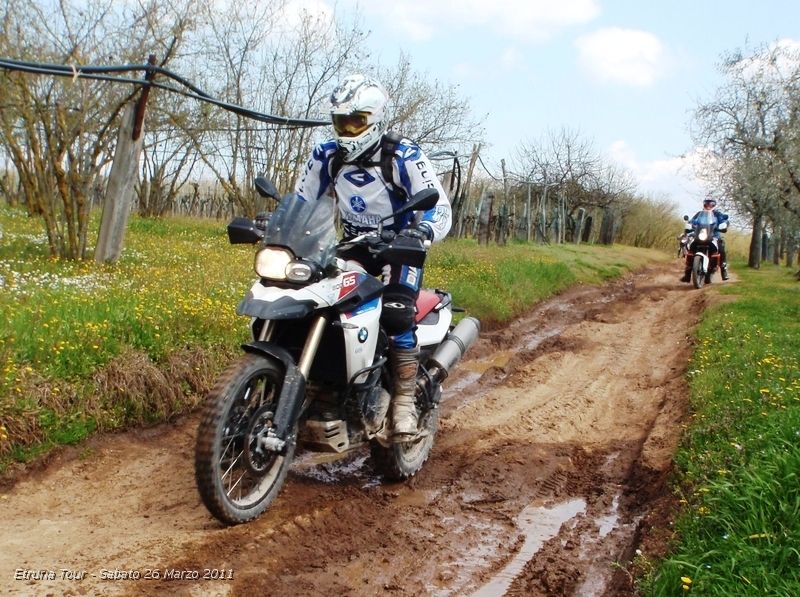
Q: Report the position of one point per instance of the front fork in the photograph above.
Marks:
(292, 400)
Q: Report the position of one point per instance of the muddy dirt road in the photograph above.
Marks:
(554, 444)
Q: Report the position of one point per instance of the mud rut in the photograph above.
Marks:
(549, 466)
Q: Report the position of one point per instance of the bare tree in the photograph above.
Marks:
(750, 134)
(573, 176)
(431, 113)
(279, 64)
(169, 156)
(60, 132)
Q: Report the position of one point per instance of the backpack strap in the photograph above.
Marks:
(335, 166)
(389, 143)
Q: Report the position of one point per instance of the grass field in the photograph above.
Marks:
(738, 465)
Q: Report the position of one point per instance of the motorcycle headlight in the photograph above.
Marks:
(298, 272)
(703, 235)
(272, 263)
(280, 265)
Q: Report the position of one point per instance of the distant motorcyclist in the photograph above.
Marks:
(708, 205)
(372, 172)
(684, 238)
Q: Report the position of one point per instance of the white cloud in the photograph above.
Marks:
(316, 13)
(671, 176)
(492, 67)
(534, 20)
(626, 56)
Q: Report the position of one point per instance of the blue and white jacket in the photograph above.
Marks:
(718, 216)
(364, 197)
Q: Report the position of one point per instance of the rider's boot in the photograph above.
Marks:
(404, 413)
(687, 275)
(724, 269)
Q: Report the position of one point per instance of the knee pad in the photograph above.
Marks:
(399, 310)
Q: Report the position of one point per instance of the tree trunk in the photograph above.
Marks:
(754, 256)
(607, 228)
(576, 235)
(776, 251)
(587, 229)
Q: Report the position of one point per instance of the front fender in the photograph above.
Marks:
(284, 307)
(293, 390)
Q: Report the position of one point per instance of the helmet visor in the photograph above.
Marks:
(350, 125)
(709, 203)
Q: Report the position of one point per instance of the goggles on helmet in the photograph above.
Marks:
(350, 125)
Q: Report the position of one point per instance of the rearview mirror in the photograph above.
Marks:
(266, 188)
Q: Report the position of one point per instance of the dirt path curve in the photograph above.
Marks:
(553, 448)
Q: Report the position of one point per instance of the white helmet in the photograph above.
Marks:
(358, 112)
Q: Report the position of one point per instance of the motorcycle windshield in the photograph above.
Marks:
(305, 227)
(706, 218)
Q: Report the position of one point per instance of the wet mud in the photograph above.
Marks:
(549, 470)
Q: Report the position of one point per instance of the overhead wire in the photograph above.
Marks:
(103, 73)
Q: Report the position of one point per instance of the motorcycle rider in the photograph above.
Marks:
(709, 203)
(683, 238)
(349, 168)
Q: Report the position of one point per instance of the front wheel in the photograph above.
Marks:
(402, 461)
(698, 276)
(237, 478)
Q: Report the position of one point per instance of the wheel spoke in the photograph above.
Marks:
(235, 485)
(237, 478)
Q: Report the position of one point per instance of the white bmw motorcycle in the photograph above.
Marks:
(316, 372)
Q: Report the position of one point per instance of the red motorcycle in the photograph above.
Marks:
(703, 255)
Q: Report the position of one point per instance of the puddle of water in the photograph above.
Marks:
(609, 523)
(595, 583)
(538, 524)
(499, 359)
(466, 381)
(417, 499)
(537, 339)
(455, 576)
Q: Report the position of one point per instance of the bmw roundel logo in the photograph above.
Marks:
(357, 204)
(363, 334)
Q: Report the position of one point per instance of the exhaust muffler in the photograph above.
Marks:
(454, 346)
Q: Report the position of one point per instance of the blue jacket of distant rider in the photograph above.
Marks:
(364, 197)
(718, 216)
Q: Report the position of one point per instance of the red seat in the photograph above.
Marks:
(425, 303)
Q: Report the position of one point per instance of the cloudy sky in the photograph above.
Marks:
(626, 73)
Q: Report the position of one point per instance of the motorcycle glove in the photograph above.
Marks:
(421, 232)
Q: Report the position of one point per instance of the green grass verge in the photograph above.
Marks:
(86, 346)
(497, 284)
(738, 465)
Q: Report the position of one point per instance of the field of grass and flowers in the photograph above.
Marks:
(739, 463)
(87, 347)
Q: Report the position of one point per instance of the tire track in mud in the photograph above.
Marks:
(578, 403)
